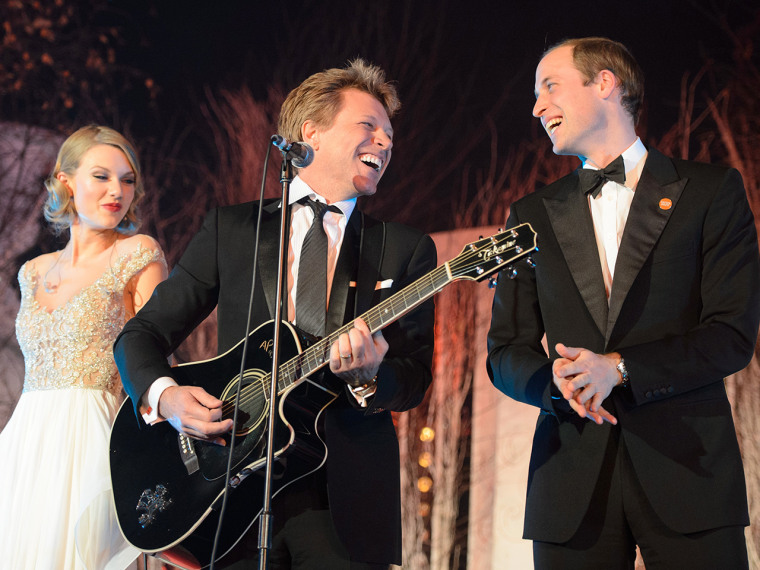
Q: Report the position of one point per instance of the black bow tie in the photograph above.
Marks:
(593, 180)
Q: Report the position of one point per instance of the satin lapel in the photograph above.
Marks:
(646, 220)
(571, 220)
(269, 251)
(344, 274)
(370, 261)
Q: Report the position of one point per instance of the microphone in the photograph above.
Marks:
(299, 154)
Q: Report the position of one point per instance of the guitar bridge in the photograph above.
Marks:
(187, 453)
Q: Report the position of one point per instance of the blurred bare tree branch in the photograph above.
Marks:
(61, 62)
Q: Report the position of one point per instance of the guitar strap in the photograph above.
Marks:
(371, 250)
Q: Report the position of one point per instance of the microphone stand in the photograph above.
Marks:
(265, 520)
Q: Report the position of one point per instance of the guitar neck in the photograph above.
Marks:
(377, 318)
(402, 302)
(477, 261)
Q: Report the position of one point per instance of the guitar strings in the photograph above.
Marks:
(305, 363)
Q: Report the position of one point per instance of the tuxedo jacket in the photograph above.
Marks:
(683, 312)
(215, 271)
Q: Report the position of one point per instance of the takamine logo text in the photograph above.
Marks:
(490, 252)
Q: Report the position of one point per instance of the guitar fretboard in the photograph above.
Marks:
(378, 317)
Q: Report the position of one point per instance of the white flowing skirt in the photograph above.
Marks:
(56, 508)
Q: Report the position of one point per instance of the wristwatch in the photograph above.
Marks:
(623, 372)
(361, 393)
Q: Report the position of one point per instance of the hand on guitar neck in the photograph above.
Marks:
(356, 356)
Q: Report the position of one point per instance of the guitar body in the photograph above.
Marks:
(168, 488)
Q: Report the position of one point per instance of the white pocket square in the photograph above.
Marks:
(387, 284)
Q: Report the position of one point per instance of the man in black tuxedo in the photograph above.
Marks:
(647, 287)
(346, 515)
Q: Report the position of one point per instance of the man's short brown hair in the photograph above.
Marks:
(592, 55)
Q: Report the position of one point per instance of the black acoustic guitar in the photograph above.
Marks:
(168, 488)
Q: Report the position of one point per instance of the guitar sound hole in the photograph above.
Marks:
(254, 402)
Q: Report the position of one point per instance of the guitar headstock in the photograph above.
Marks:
(486, 256)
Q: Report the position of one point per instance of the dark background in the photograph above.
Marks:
(493, 45)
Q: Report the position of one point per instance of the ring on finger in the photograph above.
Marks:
(345, 357)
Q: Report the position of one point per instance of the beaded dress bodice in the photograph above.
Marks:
(71, 346)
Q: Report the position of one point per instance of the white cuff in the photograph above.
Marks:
(154, 394)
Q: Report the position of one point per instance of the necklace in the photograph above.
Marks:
(52, 288)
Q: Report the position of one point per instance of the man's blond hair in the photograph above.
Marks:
(319, 97)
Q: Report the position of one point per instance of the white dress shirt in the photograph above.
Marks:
(609, 210)
(301, 219)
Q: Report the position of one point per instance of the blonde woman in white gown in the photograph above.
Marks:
(55, 501)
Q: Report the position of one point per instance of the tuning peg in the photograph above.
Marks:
(530, 261)
(492, 281)
(511, 272)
